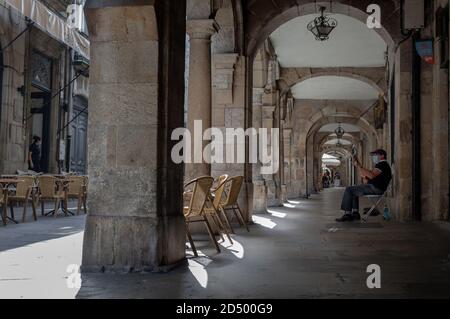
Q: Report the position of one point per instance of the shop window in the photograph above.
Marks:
(41, 69)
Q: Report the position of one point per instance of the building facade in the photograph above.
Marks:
(43, 93)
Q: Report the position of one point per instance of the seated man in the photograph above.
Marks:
(377, 180)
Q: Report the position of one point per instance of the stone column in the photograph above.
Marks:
(287, 133)
(199, 107)
(259, 200)
(401, 205)
(130, 225)
(268, 108)
(223, 81)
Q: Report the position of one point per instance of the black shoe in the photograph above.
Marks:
(356, 216)
(345, 218)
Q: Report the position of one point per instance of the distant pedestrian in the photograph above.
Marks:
(34, 155)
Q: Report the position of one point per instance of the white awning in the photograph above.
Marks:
(51, 23)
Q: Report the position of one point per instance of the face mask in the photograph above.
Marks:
(375, 159)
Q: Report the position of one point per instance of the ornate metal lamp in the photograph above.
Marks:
(339, 132)
(322, 26)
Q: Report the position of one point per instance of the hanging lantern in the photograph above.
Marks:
(339, 132)
(322, 26)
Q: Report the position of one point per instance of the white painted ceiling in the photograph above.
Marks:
(334, 88)
(330, 160)
(351, 44)
(328, 156)
(335, 141)
(345, 135)
(332, 127)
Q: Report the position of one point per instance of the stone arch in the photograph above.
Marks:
(224, 41)
(341, 150)
(324, 119)
(264, 16)
(346, 175)
(309, 147)
(375, 77)
(323, 142)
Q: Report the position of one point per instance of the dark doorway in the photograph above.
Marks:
(40, 111)
(78, 147)
(41, 103)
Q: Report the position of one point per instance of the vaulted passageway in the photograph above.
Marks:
(298, 251)
(292, 251)
(251, 65)
(256, 93)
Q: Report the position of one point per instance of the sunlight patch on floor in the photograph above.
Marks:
(197, 267)
(39, 270)
(276, 214)
(263, 221)
(236, 248)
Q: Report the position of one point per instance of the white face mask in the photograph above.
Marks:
(375, 159)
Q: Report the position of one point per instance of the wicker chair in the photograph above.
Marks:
(233, 188)
(194, 212)
(219, 182)
(49, 192)
(24, 193)
(78, 189)
(212, 207)
(3, 204)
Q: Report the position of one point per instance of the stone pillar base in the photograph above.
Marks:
(106, 250)
(284, 193)
(259, 197)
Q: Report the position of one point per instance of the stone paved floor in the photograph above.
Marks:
(34, 256)
(293, 252)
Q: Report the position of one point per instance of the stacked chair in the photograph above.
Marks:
(50, 192)
(3, 204)
(208, 204)
(201, 190)
(78, 189)
(25, 193)
(230, 203)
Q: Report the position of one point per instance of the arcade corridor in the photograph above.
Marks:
(174, 113)
(291, 252)
(298, 251)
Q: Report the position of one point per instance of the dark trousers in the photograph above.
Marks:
(350, 201)
(36, 165)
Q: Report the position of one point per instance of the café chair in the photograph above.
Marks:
(50, 191)
(212, 207)
(3, 204)
(25, 192)
(194, 212)
(233, 188)
(77, 189)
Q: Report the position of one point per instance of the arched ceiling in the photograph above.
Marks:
(334, 88)
(351, 44)
(338, 141)
(348, 136)
(328, 159)
(349, 128)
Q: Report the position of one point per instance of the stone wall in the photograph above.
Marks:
(12, 130)
(137, 52)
